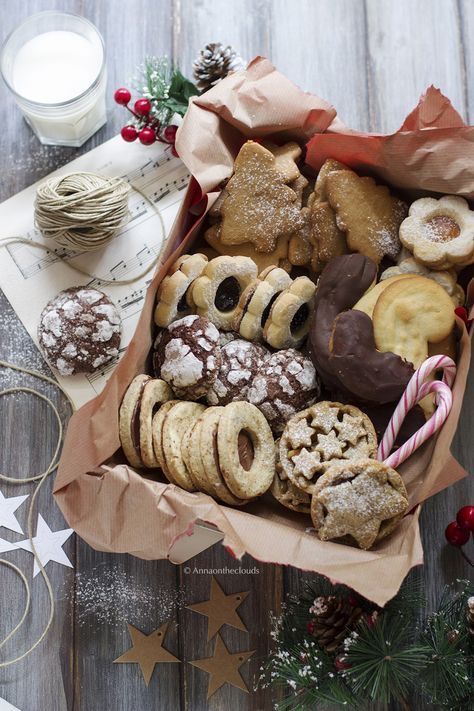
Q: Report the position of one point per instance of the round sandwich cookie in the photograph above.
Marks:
(129, 420)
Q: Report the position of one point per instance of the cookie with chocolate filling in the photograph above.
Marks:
(172, 298)
(290, 315)
(257, 300)
(129, 420)
(187, 356)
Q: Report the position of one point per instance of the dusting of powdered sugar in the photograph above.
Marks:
(112, 596)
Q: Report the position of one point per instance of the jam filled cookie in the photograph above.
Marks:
(177, 421)
(217, 291)
(256, 301)
(360, 501)
(288, 322)
(187, 356)
(240, 363)
(172, 297)
(316, 437)
(440, 233)
(245, 479)
(79, 331)
(285, 384)
(129, 420)
(155, 393)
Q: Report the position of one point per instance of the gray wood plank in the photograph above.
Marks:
(410, 46)
(321, 46)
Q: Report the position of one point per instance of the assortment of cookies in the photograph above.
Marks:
(291, 332)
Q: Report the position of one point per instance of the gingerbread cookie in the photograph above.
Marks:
(256, 301)
(445, 278)
(440, 233)
(79, 331)
(327, 239)
(360, 501)
(368, 214)
(172, 296)
(154, 394)
(285, 492)
(258, 207)
(288, 321)
(329, 166)
(410, 314)
(300, 186)
(300, 249)
(285, 159)
(240, 362)
(245, 479)
(341, 343)
(129, 420)
(278, 257)
(322, 433)
(187, 356)
(286, 383)
(179, 418)
(217, 291)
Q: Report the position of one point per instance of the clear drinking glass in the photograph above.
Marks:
(46, 58)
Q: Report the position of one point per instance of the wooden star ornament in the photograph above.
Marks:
(220, 609)
(223, 667)
(147, 650)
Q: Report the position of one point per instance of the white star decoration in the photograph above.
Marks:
(48, 545)
(5, 706)
(7, 512)
(6, 546)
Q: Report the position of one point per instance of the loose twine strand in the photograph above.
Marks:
(81, 211)
(40, 478)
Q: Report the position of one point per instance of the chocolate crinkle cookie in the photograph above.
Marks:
(241, 360)
(286, 384)
(188, 356)
(79, 331)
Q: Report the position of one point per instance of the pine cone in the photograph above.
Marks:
(334, 617)
(214, 63)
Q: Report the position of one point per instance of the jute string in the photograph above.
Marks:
(40, 478)
(82, 210)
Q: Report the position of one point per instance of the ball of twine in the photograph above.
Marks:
(82, 210)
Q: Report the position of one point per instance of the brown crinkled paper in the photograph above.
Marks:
(117, 509)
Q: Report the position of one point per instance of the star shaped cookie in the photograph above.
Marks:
(329, 446)
(300, 433)
(363, 499)
(307, 463)
(350, 429)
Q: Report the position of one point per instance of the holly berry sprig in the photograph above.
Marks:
(146, 127)
(164, 95)
(459, 532)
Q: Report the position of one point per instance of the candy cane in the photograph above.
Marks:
(415, 391)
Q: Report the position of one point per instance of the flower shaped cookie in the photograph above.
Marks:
(440, 233)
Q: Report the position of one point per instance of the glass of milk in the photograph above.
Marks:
(54, 64)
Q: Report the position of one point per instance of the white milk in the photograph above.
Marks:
(54, 62)
(55, 66)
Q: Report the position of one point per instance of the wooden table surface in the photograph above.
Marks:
(372, 59)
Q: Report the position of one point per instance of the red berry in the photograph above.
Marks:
(129, 133)
(310, 627)
(142, 107)
(465, 518)
(174, 151)
(122, 96)
(169, 134)
(147, 136)
(341, 663)
(461, 311)
(455, 535)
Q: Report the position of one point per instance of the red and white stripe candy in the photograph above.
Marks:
(415, 391)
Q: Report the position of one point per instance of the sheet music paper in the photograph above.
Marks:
(30, 277)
